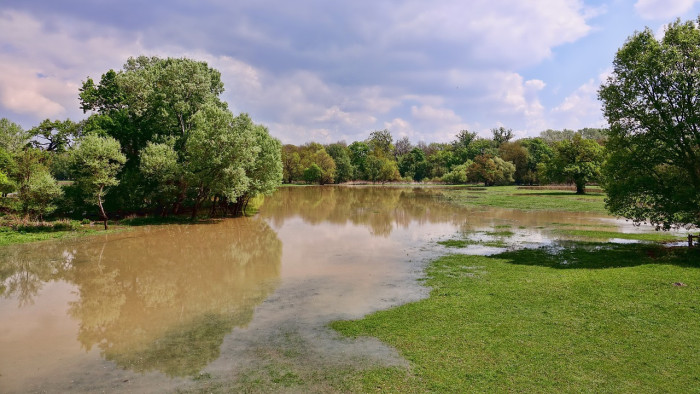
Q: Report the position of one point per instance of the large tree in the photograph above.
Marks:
(652, 103)
(577, 161)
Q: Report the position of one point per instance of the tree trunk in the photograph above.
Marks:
(213, 207)
(580, 187)
(102, 209)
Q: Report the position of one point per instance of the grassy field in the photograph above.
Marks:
(529, 199)
(588, 318)
(582, 316)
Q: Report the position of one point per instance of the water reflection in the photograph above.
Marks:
(165, 299)
(384, 209)
(159, 299)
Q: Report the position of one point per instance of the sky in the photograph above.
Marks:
(325, 70)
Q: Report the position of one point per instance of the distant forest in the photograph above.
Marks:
(565, 156)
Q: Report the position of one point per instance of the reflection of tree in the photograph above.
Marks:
(166, 300)
(25, 268)
(384, 208)
(379, 208)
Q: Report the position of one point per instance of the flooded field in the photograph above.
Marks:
(175, 307)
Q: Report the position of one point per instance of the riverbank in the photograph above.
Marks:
(576, 315)
(590, 317)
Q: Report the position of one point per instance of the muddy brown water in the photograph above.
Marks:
(161, 308)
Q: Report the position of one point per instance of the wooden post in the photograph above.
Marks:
(690, 240)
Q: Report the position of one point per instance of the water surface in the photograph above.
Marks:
(162, 308)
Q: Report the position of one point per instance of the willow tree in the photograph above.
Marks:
(652, 103)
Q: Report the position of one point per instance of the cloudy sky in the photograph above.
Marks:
(324, 70)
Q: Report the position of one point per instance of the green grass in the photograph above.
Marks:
(589, 318)
(604, 235)
(463, 243)
(512, 197)
(9, 236)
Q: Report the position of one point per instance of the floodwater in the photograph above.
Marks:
(165, 308)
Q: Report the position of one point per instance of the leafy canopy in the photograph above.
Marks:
(652, 103)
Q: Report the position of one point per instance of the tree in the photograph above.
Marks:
(55, 136)
(358, 157)
(578, 161)
(458, 174)
(340, 153)
(12, 137)
(41, 194)
(381, 169)
(149, 100)
(291, 164)
(380, 143)
(313, 173)
(402, 147)
(414, 165)
(515, 153)
(264, 171)
(652, 103)
(97, 161)
(490, 170)
(501, 135)
(159, 164)
(538, 153)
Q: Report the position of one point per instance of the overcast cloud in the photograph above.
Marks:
(326, 71)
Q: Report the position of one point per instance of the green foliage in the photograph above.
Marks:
(653, 170)
(291, 164)
(458, 174)
(380, 143)
(381, 169)
(97, 161)
(55, 136)
(414, 165)
(501, 135)
(490, 170)
(358, 157)
(12, 137)
(515, 153)
(313, 174)
(344, 170)
(40, 194)
(578, 161)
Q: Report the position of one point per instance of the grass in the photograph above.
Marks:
(590, 317)
(604, 235)
(463, 243)
(526, 199)
(21, 232)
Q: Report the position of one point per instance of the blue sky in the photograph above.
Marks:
(320, 70)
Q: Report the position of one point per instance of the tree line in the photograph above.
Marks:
(158, 140)
(555, 156)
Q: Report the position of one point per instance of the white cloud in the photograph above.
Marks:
(663, 9)
(581, 108)
(41, 73)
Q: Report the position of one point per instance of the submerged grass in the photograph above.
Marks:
(590, 317)
(526, 199)
(603, 235)
(463, 243)
(18, 234)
